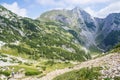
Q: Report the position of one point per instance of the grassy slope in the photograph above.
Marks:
(82, 74)
(47, 42)
(31, 67)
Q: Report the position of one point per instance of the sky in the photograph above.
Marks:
(34, 8)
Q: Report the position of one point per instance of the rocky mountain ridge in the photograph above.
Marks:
(88, 30)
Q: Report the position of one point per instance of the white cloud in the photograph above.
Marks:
(50, 3)
(69, 2)
(112, 8)
(90, 11)
(85, 1)
(14, 7)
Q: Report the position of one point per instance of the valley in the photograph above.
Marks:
(59, 45)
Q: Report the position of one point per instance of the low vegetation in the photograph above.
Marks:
(32, 72)
(82, 74)
(51, 65)
(116, 48)
(6, 73)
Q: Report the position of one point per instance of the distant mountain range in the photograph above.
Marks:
(58, 34)
(90, 31)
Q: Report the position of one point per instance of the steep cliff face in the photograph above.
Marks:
(109, 31)
(102, 34)
(76, 21)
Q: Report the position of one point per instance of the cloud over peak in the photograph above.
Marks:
(14, 7)
(102, 13)
(97, 8)
(69, 2)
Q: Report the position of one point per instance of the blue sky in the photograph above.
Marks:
(33, 8)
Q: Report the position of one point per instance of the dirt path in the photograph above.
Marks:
(17, 76)
(105, 60)
(108, 60)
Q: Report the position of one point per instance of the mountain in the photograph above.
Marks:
(76, 21)
(57, 42)
(91, 32)
(25, 36)
(109, 31)
(58, 34)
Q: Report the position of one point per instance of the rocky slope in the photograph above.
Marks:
(76, 21)
(91, 32)
(109, 63)
(109, 31)
(20, 35)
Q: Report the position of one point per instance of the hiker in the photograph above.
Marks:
(13, 74)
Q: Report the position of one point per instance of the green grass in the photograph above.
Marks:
(38, 67)
(29, 70)
(6, 73)
(51, 65)
(9, 51)
(116, 48)
(42, 39)
(82, 74)
(32, 72)
(14, 52)
(116, 78)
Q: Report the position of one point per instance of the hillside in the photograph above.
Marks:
(96, 34)
(34, 47)
(57, 42)
(41, 39)
(75, 21)
(105, 67)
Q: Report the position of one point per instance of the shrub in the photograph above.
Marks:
(4, 60)
(28, 64)
(43, 68)
(116, 78)
(32, 72)
(108, 79)
(4, 55)
(82, 74)
(20, 62)
(6, 73)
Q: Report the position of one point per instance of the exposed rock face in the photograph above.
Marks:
(81, 24)
(88, 30)
(109, 31)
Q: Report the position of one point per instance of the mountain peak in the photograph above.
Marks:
(2, 8)
(78, 9)
(113, 15)
(8, 14)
